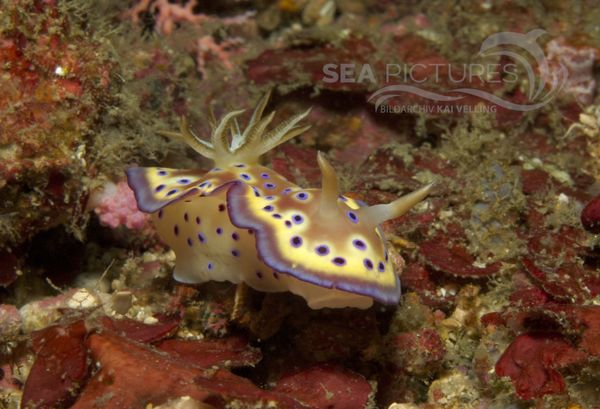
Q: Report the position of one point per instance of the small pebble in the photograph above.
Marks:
(150, 320)
(318, 12)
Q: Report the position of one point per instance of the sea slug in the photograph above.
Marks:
(242, 222)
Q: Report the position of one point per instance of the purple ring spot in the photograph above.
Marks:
(277, 216)
(172, 192)
(322, 250)
(286, 191)
(342, 198)
(256, 192)
(210, 266)
(162, 172)
(270, 185)
(197, 220)
(302, 196)
(201, 237)
(298, 219)
(159, 188)
(359, 244)
(268, 208)
(176, 230)
(183, 181)
(381, 267)
(264, 175)
(245, 176)
(368, 264)
(339, 261)
(189, 242)
(288, 223)
(235, 253)
(352, 216)
(296, 241)
(269, 197)
(240, 165)
(235, 236)
(259, 274)
(219, 231)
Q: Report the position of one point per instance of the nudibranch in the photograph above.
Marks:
(242, 222)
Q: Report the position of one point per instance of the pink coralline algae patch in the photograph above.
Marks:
(60, 351)
(115, 206)
(567, 282)
(454, 259)
(531, 361)
(164, 377)
(326, 386)
(232, 351)
(554, 262)
(528, 297)
(535, 181)
(416, 277)
(137, 331)
(554, 337)
(417, 352)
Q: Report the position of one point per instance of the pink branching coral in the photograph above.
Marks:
(115, 206)
(168, 14)
(207, 49)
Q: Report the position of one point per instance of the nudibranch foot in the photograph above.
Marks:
(242, 222)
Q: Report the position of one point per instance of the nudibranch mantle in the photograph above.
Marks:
(242, 222)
